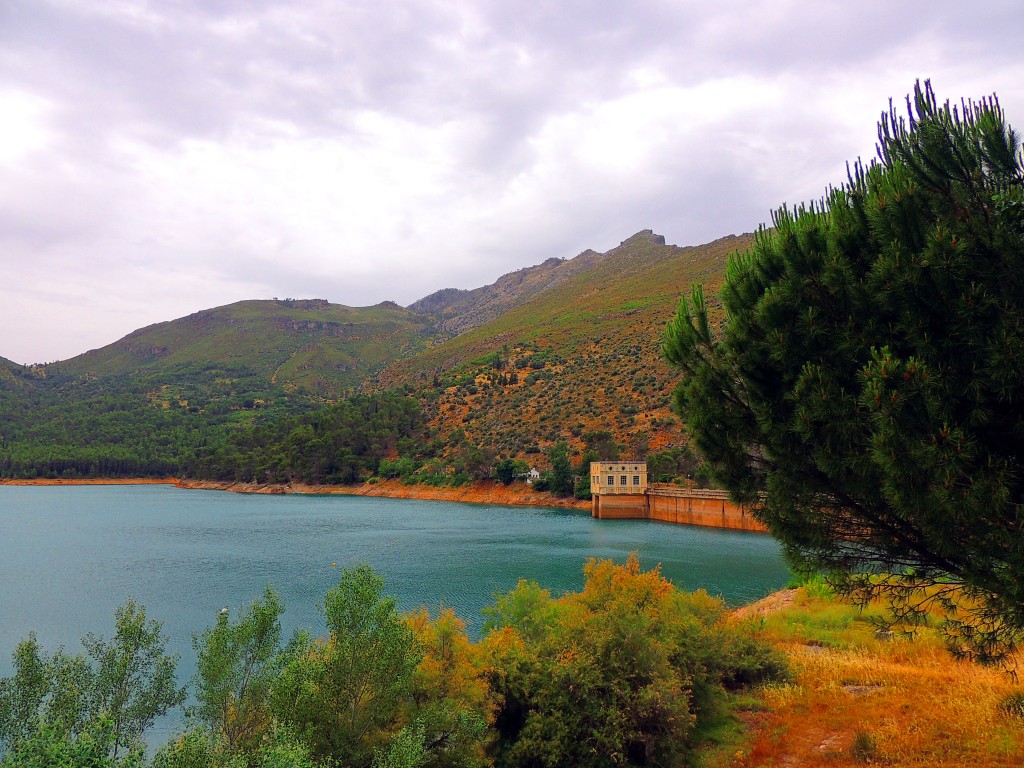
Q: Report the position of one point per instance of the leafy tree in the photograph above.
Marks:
(638, 443)
(475, 462)
(450, 706)
(560, 483)
(406, 750)
(133, 682)
(192, 749)
(864, 390)
(505, 470)
(601, 443)
(581, 487)
(344, 695)
(670, 464)
(46, 696)
(92, 709)
(235, 666)
(508, 470)
(52, 747)
(279, 748)
(526, 609)
(403, 467)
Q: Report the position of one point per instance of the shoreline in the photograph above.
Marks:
(90, 481)
(478, 492)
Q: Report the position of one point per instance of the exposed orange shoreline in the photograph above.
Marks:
(480, 492)
(93, 481)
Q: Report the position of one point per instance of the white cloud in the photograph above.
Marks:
(156, 159)
(25, 128)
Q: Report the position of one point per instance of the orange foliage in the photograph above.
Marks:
(451, 665)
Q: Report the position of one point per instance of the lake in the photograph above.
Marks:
(71, 554)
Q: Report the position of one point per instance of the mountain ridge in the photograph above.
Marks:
(460, 310)
(552, 352)
(313, 344)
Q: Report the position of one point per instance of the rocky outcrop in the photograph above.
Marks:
(456, 310)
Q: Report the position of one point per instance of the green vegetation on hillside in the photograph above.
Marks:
(574, 352)
(309, 347)
(864, 393)
(578, 357)
(150, 403)
(342, 443)
(96, 430)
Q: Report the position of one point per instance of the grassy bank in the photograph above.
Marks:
(859, 696)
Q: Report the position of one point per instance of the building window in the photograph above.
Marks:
(611, 480)
(622, 480)
(636, 479)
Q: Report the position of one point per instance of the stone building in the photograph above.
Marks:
(628, 477)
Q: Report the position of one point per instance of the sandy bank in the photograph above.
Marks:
(93, 481)
(480, 492)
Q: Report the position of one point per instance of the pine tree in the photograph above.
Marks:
(864, 391)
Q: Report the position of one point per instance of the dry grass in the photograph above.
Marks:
(857, 699)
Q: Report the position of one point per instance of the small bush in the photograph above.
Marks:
(864, 748)
(747, 661)
(1013, 704)
(814, 584)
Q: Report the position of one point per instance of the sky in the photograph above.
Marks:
(158, 158)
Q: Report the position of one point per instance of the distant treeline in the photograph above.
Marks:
(107, 436)
(73, 427)
(342, 443)
(61, 431)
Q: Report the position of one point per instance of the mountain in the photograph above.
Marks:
(560, 350)
(457, 311)
(309, 347)
(582, 354)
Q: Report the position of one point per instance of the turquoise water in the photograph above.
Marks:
(71, 554)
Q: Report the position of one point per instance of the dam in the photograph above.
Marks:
(620, 491)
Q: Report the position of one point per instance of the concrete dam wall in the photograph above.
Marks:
(672, 504)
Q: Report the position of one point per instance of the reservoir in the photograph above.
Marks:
(70, 554)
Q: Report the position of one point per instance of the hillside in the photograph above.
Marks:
(306, 346)
(12, 375)
(550, 352)
(149, 403)
(582, 355)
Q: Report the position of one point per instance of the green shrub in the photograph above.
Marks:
(864, 747)
(1013, 704)
(629, 669)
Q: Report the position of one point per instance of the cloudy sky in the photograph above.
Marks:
(157, 158)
